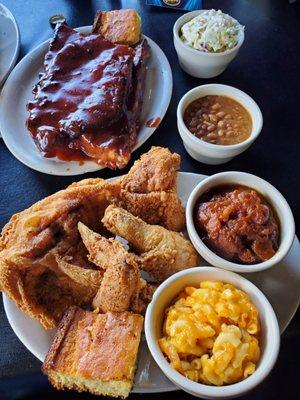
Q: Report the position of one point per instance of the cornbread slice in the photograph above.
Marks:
(119, 26)
(95, 352)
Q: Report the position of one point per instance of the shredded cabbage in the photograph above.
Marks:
(212, 31)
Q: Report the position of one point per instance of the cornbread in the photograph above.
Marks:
(119, 26)
(95, 352)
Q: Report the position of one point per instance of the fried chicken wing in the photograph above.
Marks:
(118, 288)
(47, 287)
(89, 278)
(102, 252)
(160, 208)
(161, 252)
(122, 288)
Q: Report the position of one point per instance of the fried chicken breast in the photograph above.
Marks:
(149, 189)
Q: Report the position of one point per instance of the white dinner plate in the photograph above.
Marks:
(281, 285)
(17, 91)
(9, 42)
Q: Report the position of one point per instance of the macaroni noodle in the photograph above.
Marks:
(210, 334)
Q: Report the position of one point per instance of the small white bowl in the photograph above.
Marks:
(199, 63)
(269, 342)
(209, 153)
(271, 195)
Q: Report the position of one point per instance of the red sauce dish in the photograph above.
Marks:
(239, 222)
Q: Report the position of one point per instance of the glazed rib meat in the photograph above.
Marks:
(87, 104)
(120, 137)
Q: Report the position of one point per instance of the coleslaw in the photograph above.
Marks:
(212, 31)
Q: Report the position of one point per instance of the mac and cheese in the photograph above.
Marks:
(211, 334)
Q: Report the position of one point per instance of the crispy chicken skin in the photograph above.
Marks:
(102, 251)
(36, 244)
(161, 252)
(121, 288)
(155, 171)
(149, 189)
(41, 250)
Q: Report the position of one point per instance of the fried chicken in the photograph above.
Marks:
(37, 242)
(119, 287)
(149, 189)
(161, 252)
(122, 288)
(102, 252)
(155, 171)
(41, 250)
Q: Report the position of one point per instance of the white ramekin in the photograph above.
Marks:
(272, 196)
(209, 153)
(199, 63)
(270, 336)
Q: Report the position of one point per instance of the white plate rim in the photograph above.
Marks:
(88, 166)
(168, 387)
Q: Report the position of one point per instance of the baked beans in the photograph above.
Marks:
(218, 120)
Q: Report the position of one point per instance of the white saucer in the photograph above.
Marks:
(9, 42)
(280, 284)
(17, 91)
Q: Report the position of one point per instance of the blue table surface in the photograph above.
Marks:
(267, 68)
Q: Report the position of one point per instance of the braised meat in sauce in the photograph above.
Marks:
(237, 224)
(88, 100)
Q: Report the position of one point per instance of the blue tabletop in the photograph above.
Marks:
(267, 68)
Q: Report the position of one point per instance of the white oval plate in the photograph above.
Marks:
(281, 285)
(17, 91)
(9, 42)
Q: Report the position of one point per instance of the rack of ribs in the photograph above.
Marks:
(88, 100)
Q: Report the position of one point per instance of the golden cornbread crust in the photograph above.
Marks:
(119, 26)
(95, 352)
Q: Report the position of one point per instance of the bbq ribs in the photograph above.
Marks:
(88, 100)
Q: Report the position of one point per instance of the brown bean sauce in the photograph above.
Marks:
(237, 224)
(218, 120)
